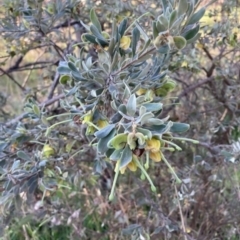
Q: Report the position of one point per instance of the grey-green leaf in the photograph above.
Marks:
(163, 20)
(135, 39)
(102, 143)
(94, 20)
(182, 7)
(63, 70)
(23, 156)
(122, 27)
(132, 105)
(179, 127)
(196, 16)
(155, 30)
(116, 155)
(173, 18)
(152, 107)
(126, 157)
(145, 117)
(104, 131)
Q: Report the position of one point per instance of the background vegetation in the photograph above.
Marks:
(73, 202)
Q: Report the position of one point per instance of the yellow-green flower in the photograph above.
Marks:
(102, 123)
(125, 42)
(48, 151)
(141, 91)
(153, 146)
(88, 117)
(132, 166)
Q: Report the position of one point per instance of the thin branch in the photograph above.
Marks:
(193, 87)
(54, 85)
(12, 79)
(181, 214)
(43, 104)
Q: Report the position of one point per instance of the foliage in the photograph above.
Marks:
(117, 77)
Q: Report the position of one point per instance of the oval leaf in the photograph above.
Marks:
(94, 20)
(182, 7)
(104, 131)
(191, 33)
(180, 42)
(131, 105)
(179, 127)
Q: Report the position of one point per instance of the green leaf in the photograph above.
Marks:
(135, 39)
(118, 142)
(143, 34)
(164, 5)
(142, 110)
(126, 157)
(94, 20)
(63, 70)
(164, 49)
(180, 42)
(164, 21)
(64, 79)
(122, 27)
(86, 37)
(116, 155)
(145, 117)
(15, 165)
(173, 18)
(102, 143)
(179, 127)
(102, 42)
(152, 107)
(116, 118)
(154, 121)
(23, 156)
(191, 33)
(98, 34)
(104, 131)
(127, 93)
(115, 61)
(161, 27)
(32, 183)
(182, 7)
(3, 145)
(194, 39)
(72, 67)
(196, 16)
(155, 30)
(36, 110)
(160, 129)
(145, 132)
(132, 105)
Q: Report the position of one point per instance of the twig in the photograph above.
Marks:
(135, 60)
(12, 78)
(181, 214)
(43, 104)
(32, 67)
(186, 92)
(54, 85)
